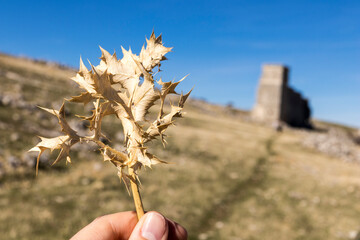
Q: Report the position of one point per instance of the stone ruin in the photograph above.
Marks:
(278, 103)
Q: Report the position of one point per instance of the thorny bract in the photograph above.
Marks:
(124, 88)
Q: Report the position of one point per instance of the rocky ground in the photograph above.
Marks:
(335, 142)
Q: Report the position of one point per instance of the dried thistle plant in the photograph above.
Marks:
(124, 88)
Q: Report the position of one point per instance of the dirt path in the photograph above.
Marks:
(240, 191)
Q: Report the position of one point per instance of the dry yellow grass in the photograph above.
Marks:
(229, 179)
(46, 69)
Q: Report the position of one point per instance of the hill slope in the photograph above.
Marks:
(229, 178)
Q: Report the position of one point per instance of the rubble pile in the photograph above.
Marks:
(335, 142)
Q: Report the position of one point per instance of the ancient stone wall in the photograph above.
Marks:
(277, 102)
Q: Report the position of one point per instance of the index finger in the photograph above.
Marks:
(109, 227)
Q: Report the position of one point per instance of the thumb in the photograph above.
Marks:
(152, 226)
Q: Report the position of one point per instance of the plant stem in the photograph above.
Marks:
(133, 179)
(136, 194)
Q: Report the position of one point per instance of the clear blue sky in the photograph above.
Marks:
(222, 44)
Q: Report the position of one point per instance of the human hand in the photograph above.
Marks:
(124, 225)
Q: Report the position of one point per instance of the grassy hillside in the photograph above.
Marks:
(228, 178)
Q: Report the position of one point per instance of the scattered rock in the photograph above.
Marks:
(15, 117)
(219, 225)
(29, 159)
(336, 142)
(5, 100)
(14, 161)
(354, 235)
(97, 166)
(13, 100)
(14, 137)
(203, 236)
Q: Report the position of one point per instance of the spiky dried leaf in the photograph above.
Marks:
(84, 98)
(124, 88)
(48, 143)
(153, 53)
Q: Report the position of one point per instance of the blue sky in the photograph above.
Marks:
(222, 44)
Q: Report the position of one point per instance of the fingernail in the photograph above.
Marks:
(154, 227)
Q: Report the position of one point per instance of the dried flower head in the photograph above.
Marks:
(124, 88)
